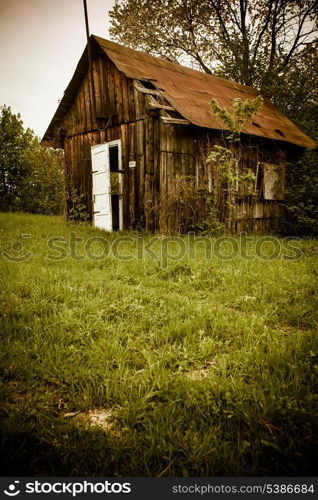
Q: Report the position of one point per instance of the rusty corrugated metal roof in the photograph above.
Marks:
(190, 91)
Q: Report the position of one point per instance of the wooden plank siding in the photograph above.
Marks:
(121, 115)
(252, 212)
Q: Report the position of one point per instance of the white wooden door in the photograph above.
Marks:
(102, 188)
(102, 209)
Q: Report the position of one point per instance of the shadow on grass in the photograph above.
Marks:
(285, 446)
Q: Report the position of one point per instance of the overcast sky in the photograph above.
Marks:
(41, 42)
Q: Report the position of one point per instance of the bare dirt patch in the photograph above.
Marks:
(201, 373)
(101, 417)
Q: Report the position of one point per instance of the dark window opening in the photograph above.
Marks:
(113, 159)
(147, 84)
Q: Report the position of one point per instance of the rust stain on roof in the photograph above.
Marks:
(190, 91)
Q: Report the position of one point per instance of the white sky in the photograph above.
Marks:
(41, 42)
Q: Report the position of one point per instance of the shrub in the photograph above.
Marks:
(77, 204)
(188, 208)
(301, 196)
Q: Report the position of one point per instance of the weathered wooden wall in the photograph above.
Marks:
(252, 213)
(184, 150)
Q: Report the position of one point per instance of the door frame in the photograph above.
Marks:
(110, 144)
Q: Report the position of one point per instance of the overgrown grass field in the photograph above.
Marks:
(187, 367)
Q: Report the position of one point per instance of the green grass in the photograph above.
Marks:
(208, 367)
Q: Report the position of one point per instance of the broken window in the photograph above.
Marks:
(273, 181)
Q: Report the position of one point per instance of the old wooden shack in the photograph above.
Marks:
(132, 125)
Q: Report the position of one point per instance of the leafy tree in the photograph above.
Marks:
(269, 44)
(299, 93)
(301, 196)
(251, 42)
(42, 189)
(31, 176)
(14, 144)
